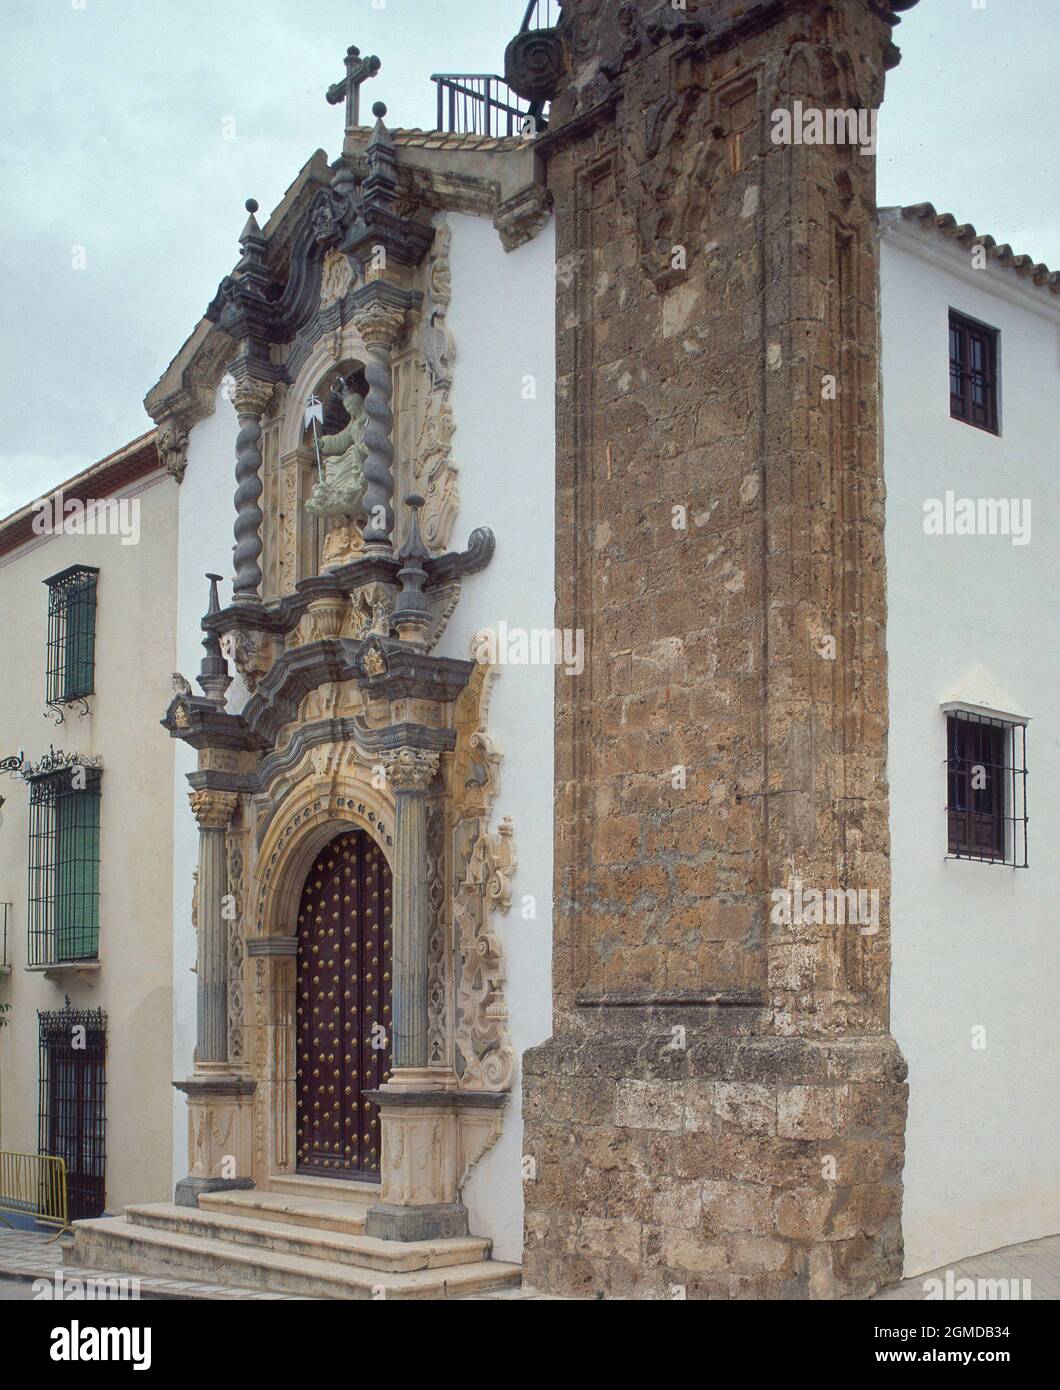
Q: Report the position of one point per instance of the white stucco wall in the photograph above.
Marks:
(133, 664)
(207, 514)
(502, 317)
(974, 619)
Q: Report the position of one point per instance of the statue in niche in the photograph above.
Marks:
(339, 491)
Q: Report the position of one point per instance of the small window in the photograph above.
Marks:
(64, 866)
(72, 1110)
(71, 635)
(973, 372)
(986, 797)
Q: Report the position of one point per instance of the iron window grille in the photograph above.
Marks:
(973, 372)
(72, 1114)
(5, 922)
(64, 866)
(71, 637)
(986, 796)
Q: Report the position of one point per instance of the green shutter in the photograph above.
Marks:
(77, 875)
(80, 639)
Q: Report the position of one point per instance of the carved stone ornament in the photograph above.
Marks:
(172, 442)
(482, 866)
(253, 654)
(249, 396)
(482, 1039)
(434, 472)
(213, 810)
(533, 64)
(374, 660)
(411, 769)
(236, 951)
(335, 279)
(378, 323)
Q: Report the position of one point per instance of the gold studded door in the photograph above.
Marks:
(343, 1007)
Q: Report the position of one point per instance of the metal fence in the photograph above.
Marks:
(34, 1185)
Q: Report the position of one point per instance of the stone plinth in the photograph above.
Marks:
(431, 1139)
(220, 1133)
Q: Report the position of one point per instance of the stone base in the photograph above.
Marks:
(220, 1131)
(443, 1221)
(735, 1167)
(186, 1193)
(431, 1139)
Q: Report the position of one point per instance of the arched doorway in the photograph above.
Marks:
(343, 1003)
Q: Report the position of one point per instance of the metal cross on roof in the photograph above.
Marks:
(358, 70)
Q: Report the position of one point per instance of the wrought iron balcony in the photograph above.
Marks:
(482, 103)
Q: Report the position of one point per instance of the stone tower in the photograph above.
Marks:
(720, 1110)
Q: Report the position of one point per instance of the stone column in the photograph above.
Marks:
(418, 1110)
(220, 1100)
(411, 771)
(381, 325)
(250, 397)
(213, 811)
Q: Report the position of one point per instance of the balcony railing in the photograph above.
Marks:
(481, 103)
(5, 923)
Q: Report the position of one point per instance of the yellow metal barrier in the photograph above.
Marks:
(34, 1185)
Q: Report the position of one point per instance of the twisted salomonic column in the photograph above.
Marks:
(381, 326)
(213, 810)
(411, 771)
(250, 397)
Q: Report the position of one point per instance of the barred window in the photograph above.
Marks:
(71, 635)
(986, 799)
(64, 866)
(973, 372)
(72, 1110)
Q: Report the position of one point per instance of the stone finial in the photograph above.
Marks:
(251, 270)
(213, 677)
(411, 615)
(381, 184)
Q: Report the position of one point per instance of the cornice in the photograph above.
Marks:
(953, 256)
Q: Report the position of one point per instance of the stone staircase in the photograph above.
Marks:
(304, 1236)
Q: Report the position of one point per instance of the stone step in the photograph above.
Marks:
(327, 1189)
(366, 1252)
(118, 1244)
(297, 1211)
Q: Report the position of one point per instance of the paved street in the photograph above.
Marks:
(1036, 1260)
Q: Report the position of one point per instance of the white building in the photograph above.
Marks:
(973, 615)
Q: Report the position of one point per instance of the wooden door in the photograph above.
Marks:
(343, 1007)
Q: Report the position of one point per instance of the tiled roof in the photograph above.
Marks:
(963, 232)
(448, 140)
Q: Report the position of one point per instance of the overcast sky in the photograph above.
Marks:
(136, 129)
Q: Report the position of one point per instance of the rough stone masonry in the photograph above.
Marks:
(721, 1108)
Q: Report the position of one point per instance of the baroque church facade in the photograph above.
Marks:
(551, 653)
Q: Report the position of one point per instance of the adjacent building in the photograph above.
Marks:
(971, 411)
(86, 600)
